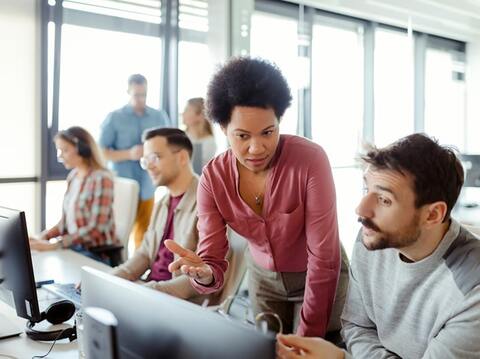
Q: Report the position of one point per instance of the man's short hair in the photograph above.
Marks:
(437, 172)
(245, 81)
(136, 79)
(174, 136)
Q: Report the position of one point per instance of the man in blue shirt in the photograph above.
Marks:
(120, 139)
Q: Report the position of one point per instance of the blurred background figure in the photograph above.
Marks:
(87, 222)
(120, 139)
(199, 129)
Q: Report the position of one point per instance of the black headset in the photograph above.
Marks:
(56, 313)
(83, 149)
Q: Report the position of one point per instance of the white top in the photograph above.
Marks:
(69, 202)
(209, 147)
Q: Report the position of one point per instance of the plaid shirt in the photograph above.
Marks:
(93, 212)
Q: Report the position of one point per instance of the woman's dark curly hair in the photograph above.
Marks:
(245, 81)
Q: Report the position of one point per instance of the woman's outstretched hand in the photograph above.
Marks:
(189, 264)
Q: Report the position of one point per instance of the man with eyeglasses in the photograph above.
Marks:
(166, 157)
(120, 139)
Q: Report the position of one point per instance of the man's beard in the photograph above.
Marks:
(384, 239)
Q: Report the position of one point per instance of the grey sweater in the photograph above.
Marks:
(426, 309)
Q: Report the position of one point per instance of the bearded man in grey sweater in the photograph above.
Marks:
(414, 287)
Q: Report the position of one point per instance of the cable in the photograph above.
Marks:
(51, 347)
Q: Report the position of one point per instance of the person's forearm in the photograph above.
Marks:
(133, 268)
(121, 272)
(50, 233)
(179, 287)
(363, 343)
(116, 155)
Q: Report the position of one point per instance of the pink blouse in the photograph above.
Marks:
(297, 232)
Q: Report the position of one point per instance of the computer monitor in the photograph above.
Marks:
(154, 324)
(17, 283)
(471, 167)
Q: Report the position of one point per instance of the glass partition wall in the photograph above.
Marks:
(356, 82)
(353, 81)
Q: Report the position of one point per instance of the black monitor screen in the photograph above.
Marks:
(17, 283)
(471, 167)
(155, 325)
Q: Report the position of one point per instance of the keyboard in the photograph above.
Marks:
(66, 291)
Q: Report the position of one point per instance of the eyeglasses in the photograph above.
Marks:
(153, 158)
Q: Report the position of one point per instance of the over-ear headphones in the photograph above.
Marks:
(56, 313)
(83, 149)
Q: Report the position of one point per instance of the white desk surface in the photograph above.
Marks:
(63, 266)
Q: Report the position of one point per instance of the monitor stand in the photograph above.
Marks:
(7, 328)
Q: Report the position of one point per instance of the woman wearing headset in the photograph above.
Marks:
(87, 215)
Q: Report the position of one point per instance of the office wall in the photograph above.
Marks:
(20, 105)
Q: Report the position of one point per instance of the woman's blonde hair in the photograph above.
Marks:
(198, 103)
(86, 146)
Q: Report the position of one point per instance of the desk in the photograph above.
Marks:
(64, 267)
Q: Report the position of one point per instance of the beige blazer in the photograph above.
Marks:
(185, 233)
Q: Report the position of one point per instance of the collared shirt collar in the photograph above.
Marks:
(130, 111)
(189, 198)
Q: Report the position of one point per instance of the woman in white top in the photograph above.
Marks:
(199, 129)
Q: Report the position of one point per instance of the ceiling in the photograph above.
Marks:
(458, 19)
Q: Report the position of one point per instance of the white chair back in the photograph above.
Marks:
(125, 202)
(237, 265)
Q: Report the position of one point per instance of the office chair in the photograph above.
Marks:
(125, 202)
(237, 265)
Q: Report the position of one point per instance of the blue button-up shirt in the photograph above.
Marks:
(121, 130)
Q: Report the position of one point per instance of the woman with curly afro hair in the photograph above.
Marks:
(275, 190)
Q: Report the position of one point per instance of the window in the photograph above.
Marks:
(22, 196)
(195, 64)
(348, 185)
(19, 110)
(103, 42)
(96, 64)
(393, 67)
(445, 96)
(140, 10)
(282, 53)
(337, 91)
(337, 112)
(194, 71)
